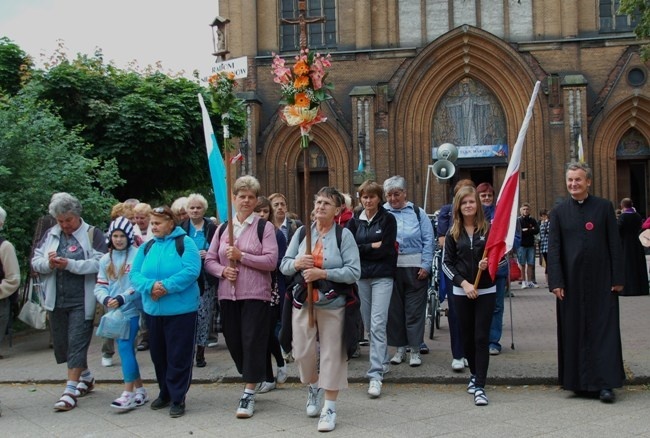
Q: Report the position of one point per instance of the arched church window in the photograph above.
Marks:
(469, 115)
(633, 145)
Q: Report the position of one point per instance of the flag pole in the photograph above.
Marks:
(229, 169)
(502, 229)
(307, 225)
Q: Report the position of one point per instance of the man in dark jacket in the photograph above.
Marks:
(526, 252)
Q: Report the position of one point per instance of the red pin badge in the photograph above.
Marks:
(589, 226)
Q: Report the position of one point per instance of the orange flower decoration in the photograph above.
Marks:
(302, 101)
(301, 82)
(301, 68)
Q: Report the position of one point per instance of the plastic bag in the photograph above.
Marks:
(32, 313)
(114, 325)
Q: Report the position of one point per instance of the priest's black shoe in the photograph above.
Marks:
(607, 396)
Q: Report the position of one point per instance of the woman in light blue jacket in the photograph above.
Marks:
(165, 271)
(114, 290)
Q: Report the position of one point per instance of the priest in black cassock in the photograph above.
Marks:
(585, 272)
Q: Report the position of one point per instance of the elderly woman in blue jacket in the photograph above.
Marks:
(164, 272)
(414, 262)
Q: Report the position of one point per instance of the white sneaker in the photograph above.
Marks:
(314, 401)
(263, 387)
(374, 389)
(327, 421)
(399, 356)
(532, 284)
(125, 402)
(415, 360)
(457, 365)
(246, 407)
(465, 363)
(281, 374)
(524, 285)
(107, 361)
(141, 397)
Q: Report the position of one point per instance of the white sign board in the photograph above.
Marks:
(238, 66)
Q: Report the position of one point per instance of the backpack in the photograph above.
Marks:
(260, 229)
(339, 235)
(180, 245)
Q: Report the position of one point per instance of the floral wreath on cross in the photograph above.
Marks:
(225, 102)
(304, 88)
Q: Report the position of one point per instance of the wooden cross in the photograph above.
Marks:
(302, 21)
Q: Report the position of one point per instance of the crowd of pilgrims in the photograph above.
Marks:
(276, 291)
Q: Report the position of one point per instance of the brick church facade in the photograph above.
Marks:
(411, 75)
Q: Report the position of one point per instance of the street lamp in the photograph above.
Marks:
(219, 37)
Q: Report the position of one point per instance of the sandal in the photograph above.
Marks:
(84, 387)
(125, 402)
(480, 398)
(67, 402)
(471, 386)
(141, 397)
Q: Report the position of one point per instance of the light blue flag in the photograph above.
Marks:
(217, 166)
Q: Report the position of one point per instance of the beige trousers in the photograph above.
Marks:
(327, 336)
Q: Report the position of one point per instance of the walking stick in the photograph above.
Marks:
(512, 331)
(307, 225)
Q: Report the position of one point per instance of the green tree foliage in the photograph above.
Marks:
(38, 157)
(642, 29)
(14, 66)
(150, 123)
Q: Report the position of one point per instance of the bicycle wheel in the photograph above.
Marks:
(431, 312)
(438, 312)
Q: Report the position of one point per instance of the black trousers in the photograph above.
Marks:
(475, 318)
(171, 344)
(245, 325)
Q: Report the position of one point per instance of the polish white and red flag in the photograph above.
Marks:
(502, 231)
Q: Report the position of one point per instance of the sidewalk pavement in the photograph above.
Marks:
(533, 360)
(429, 400)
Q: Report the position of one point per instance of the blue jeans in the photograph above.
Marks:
(526, 256)
(375, 294)
(496, 328)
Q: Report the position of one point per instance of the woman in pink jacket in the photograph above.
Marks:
(244, 268)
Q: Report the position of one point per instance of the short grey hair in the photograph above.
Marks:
(246, 183)
(394, 183)
(179, 204)
(197, 197)
(580, 166)
(64, 203)
(3, 217)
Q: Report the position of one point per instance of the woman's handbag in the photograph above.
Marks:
(32, 313)
(114, 325)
